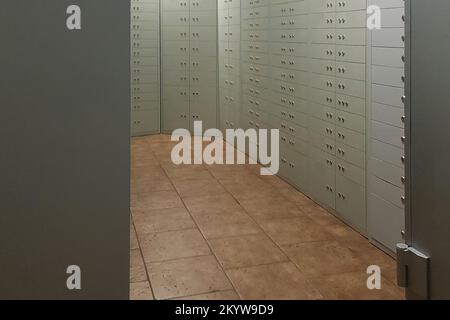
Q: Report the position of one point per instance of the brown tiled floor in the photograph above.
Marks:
(225, 232)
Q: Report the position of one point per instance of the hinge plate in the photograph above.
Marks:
(413, 272)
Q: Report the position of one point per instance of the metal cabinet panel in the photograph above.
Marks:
(387, 153)
(145, 121)
(351, 155)
(291, 8)
(322, 96)
(323, 143)
(202, 49)
(145, 65)
(387, 225)
(388, 114)
(351, 172)
(394, 77)
(298, 172)
(323, 6)
(351, 104)
(393, 18)
(351, 53)
(322, 112)
(350, 202)
(350, 5)
(323, 181)
(351, 19)
(322, 51)
(324, 67)
(388, 95)
(387, 191)
(203, 18)
(387, 172)
(390, 134)
(175, 5)
(287, 23)
(389, 57)
(351, 138)
(351, 121)
(295, 35)
(175, 18)
(202, 5)
(350, 70)
(389, 37)
(291, 76)
(291, 49)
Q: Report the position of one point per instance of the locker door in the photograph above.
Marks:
(175, 108)
(428, 144)
(64, 136)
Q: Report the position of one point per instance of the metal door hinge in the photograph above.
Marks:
(413, 268)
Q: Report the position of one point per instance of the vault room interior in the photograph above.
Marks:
(352, 94)
(335, 90)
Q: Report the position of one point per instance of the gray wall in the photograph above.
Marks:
(64, 141)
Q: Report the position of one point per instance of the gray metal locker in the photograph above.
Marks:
(311, 55)
(386, 176)
(145, 67)
(229, 13)
(189, 64)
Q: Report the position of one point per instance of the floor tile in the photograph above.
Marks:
(158, 138)
(294, 230)
(228, 172)
(244, 251)
(187, 277)
(295, 196)
(340, 231)
(276, 182)
(312, 207)
(148, 168)
(158, 200)
(137, 267)
(250, 191)
(220, 224)
(198, 187)
(321, 258)
(148, 172)
(140, 291)
(162, 148)
(353, 286)
(271, 207)
(137, 142)
(219, 295)
(151, 185)
(280, 281)
(189, 173)
(173, 245)
(161, 220)
(371, 255)
(210, 204)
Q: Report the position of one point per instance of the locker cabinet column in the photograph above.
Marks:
(145, 80)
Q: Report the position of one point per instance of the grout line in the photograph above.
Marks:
(142, 257)
(176, 259)
(167, 231)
